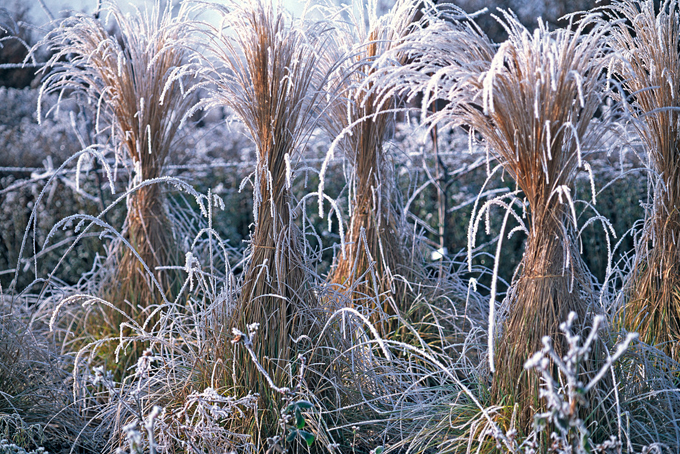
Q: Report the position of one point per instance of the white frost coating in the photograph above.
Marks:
(519, 228)
(536, 97)
(472, 285)
(257, 196)
(191, 264)
(564, 190)
(579, 86)
(494, 283)
(553, 74)
(100, 101)
(270, 185)
(322, 175)
(39, 108)
(488, 78)
(574, 133)
(121, 62)
(548, 139)
(565, 265)
(107, 168)
(544, 166)
(341, 228)
(472, 226)
(286, 158)
(591, 178)
(669, 80)
(83, 157)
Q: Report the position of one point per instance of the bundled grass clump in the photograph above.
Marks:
(361, 123)
(647, 40)
(125, 78)
(265, 68)
(533, 101)
(244, 348)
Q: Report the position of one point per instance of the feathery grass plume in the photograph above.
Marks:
(533, 101)
(125, 78)
(265, 67)
(650, 71)
(360, 122)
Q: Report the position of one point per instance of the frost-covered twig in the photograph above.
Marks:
(565, 396)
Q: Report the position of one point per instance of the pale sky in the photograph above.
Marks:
(88, 6)
(57, 6)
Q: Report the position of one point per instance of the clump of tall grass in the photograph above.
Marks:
(124, 77)
(361, 123)
(36, 408)
(383, 391)
(410, 396)
(264, 66)
(533, 100)
(647, 40)
(182, 366)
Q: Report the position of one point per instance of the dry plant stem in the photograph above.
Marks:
(374, 237)
(127, 81)
(653, 295)
(150, 234)
(274, 285)
(650, 69)
(527, 99)
(362, 120)
(267, 71)
(543, 296)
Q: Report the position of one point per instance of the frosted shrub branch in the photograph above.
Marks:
(565, 396)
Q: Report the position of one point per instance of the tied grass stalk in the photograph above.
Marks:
(538, 121)
(533, 100)
(264, 66)
(127, 79)
(650, 69)
(361, 123)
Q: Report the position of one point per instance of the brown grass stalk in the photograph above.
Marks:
(648, 43)
(267, 71)
(361, 122)
(126, 77)
(533, 101)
